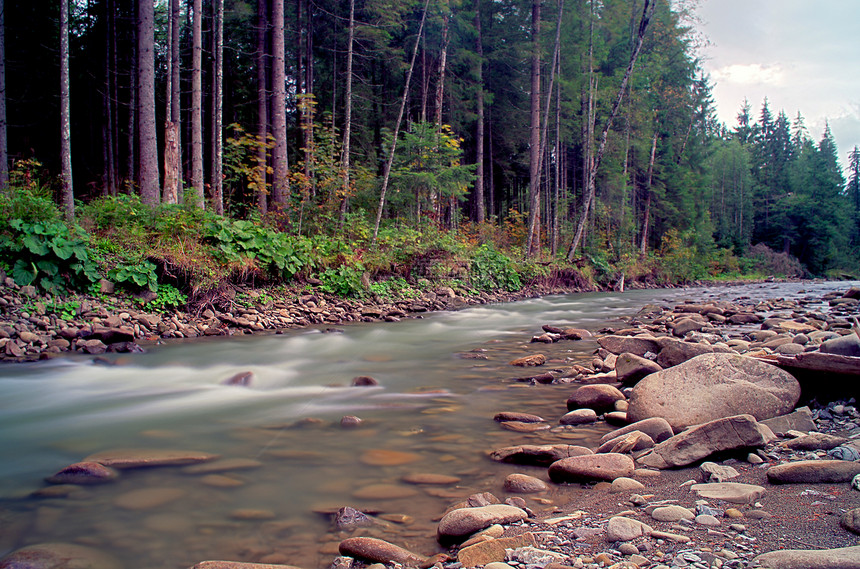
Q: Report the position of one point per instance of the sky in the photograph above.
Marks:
(803, 55)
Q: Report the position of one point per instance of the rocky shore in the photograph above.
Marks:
(730, 450)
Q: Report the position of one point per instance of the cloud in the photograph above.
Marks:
(750, 74)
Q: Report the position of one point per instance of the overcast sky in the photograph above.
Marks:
(803, 55)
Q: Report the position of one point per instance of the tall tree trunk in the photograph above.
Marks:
(65, 123)
(307, 116)
(590, 186)
(148, 174)
(217, 108)
(481, 211)
(109, 182)
(533, 243)
(440, 85)
(556, 188)
(347, 119)
(281, 181)
(386, 176)
(131, 165)
(262, 111)
(647, 215)
(197, 103)
(4, 146)
(170, 193)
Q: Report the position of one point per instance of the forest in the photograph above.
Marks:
(347, 141)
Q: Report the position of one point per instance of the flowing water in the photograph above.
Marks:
(431, 413)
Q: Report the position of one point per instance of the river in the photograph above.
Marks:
(431, 413)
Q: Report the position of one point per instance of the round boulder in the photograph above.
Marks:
(84, 473)
(459, 524)
(714, 386)
(524, 484)
(608, 466)
(58, 556)
(599, 397)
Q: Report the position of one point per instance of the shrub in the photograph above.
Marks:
(491, 269)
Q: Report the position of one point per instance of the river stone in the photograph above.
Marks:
(850, 520)
(674, 351)
(813, 472)
(238, 565)
(682, 326)
(492, 550)
(385, 457)
(630, 368)
(520, 417)
(634, 345)
(624, 484)
(537, 455)
(519, 427)
(733, 492)
(630, 442)
(429, 478)
(529, 361)
(731, 433)
(348, 518)
(714, 472)
(586, 468)
(798, 420)
(713, 386)
(657, 428)
(379, 551)
(223, 465)
(58, 556)
(84, 473)
(147, 498)
(136, 458)
(459, 524)
(672, 513)
(848, 345)
(815, 441)
(601, 398)
(620, 528)
(841, 558)
(524, 484)
(578, 417)
(383, 492)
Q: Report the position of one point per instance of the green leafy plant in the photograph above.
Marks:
(393, 289)
(491, 269)
(169, 298)
(245, 242)
(343, 281)
(135, 275)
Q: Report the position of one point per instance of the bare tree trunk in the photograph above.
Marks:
(65, 123)
(647, 215)
(131, 165)
(281, 182)
(386, 176)
(4, 146)
(262, 111)
(556, 189)
(109, 183)
(590, 186)
(479, 129)
(533, 243)
(347, 127)
(170, 192)
(197, 104)
(217, 109)
(425, 80)
(148, 175)
(443, 61)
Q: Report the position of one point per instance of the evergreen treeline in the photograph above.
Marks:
(582, 128)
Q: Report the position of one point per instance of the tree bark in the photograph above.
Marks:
(281, 182)
(4, 146)
(148, 175)
(533, 242)
(347, 119)
(217, 109)
(65, 123)
(197, 104)
(590, 185)
(109, 174)
(646, 217)
(262, 111)
(170, 192)
(386, 176)
(481, 210)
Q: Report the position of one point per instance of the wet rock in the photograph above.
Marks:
(601, 398)
(813, 472)
(848, 345)
(364, 381)
(458, 524)
(521, 417)
(427, 478)
(58, 556)
(148, 498)
(492, 550)
(674, 351)
(84, 473)
(93, 347)
(630, 368)
(713, 386)
(379, 551)
(238, 565)
(524, 484)
(714, 472)
(575, 334)
(657, 428)
(137, 458)
(385, 457)
(696, 443)
(634, 345)
(519, 427)
(624, 484)
(683, 326)
(578, 417)
(850, 520)
(243, 379)
(841, 558)
(798, 420)
(223, 465)
(350, 421)
(815, 441)
(620, 528)
(629, 442)
(384, 492)
(733, 492)
(672, 513)
(529, 361)
(587, 468)
(537, 455)
(348, 519)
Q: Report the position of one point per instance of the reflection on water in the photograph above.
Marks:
(431, 413)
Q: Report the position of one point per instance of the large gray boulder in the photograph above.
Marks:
(730, 433)
(714, 386)
(841, 558)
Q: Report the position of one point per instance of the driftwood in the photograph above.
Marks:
(815, 361)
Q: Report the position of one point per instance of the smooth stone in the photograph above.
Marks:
(58, 556)
(84, 473)
(813, 472)
(137, 458)
(493, 550)
(252, 514)
(537, 455)
(657, 428)
(734, 513)
(518, 427)
(599, 397)
(841, 558)
(714, 472)
(146, 498)
(348, 518)
(379, 551)
(628, 549)
(524, 484)
(620, 528)
(221, 481)
(630, 368)
(674, 351)
(430, 479)
(457, 525)
(608, 466)
(384, 492)
(630, 442)
(521, 417)
(385, 457)
(672, 513)
(624, 484)
(733, 492)
(848, 345)
(850, 520)
(798, 420)
(578, 417)
(238, 565)
(714, 386)
(815, 441)
(621, 344)
(223, 465)
(707, 520)
(529, 361)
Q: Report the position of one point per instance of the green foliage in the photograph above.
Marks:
(169, 298)
(343, 281)
(135, 275)
(393, 288)
(491, 269)
(47, 254)
(258, 248)
(29, 198)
